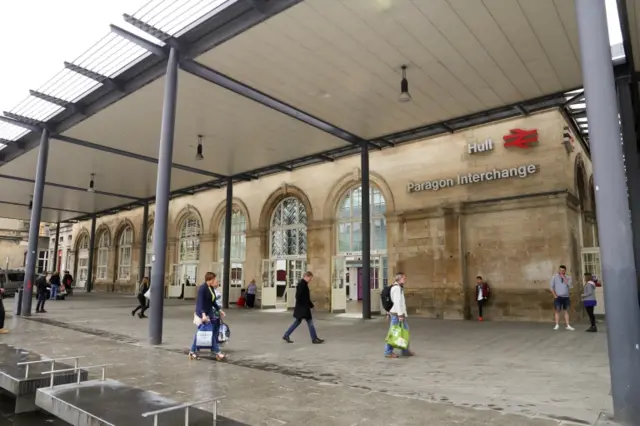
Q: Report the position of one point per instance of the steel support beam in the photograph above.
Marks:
(163, 195)
(55, 248)
(34, 225)
(13, 203)
(366, 233)
(103, 79)
(614, 226)
(17, 123)
(92, 247)
(227, 244)
(116, 151)
(75, 108)
(72, 188)
(152, 47)
(143, 242)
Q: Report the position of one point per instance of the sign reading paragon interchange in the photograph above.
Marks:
(464, 179)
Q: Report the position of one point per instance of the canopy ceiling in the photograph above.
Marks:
(338, 62)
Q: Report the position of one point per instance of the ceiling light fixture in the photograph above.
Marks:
(92, 183)
(404, 86)
(199, 149)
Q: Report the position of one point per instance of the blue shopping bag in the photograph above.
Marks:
(204, 336)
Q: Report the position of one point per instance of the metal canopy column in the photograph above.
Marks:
(227, 245)
(631, 159)
(34, 224)
(366, 233)
(163, 190)
(617, 257)
(92, 245)
(55, 248)
(143, 241)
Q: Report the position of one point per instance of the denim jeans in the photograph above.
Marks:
(42, 297)
(215, 346)
(54, 292)
(297, 322)
(388, 349)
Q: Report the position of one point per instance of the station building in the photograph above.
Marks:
(509, 201)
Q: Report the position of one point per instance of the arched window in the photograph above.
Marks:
(149, 255)
(124, 253)
(104, 242)
(84, 243)
(238, 236)
(289, 229)
(350, 221)
(190, 240)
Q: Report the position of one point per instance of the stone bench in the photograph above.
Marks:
(21, 375)
(112, 403)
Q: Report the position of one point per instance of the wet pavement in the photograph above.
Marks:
(464, 373)
(8, 418)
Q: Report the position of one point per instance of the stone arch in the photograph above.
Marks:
(285, 191)
(351, 180)
(219, 212)
(102, 228)
(84, 231)
(124, 223)
(185, 213)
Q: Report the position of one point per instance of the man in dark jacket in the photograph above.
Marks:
(302, 311)
(41, 292)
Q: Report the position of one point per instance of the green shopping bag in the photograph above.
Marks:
(398, 337)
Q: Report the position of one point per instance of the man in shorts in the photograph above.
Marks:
(560, 286)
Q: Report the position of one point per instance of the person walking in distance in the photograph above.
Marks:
(398, 313)
(302, 311)
(143, 302)
(560, 286)
(589, 301)
(252, 289)
(41, 292)
(482, 295)
(2, 313)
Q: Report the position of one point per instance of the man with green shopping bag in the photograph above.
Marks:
(398, 335)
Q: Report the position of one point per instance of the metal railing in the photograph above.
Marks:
(52, 361)
(186, 408)
(79, 370)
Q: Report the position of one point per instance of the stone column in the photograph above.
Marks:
(319, 256)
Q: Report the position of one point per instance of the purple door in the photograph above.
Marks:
(374, 275)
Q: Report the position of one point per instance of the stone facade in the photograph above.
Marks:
(514, 231)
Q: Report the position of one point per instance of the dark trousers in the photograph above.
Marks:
(592, 317)
(1, 315)
(480, 306)
(42, 297)
(251, 300)
(143, 304)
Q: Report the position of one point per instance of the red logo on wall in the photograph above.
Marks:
(520, 138)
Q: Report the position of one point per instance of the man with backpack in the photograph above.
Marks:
(394, 303)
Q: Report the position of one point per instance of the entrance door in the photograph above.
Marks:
(339, 286)
(237, 281)
(591, 264)
(268, 294)
(189, 275)
(295, 270)
(83, 272)
(175, 285)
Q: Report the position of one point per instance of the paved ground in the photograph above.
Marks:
(464, 373)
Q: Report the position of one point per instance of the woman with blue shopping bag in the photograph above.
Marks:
(207, 318)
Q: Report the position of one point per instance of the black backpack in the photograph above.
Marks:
(385, 296)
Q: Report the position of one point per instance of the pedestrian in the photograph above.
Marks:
(2, 313)
(208, 311)
(482, 295)
(252, 289)
(560, 286)
(398, 313)
(54, 281)
(41, 292)
(67, 281)
(143, 302)
(302, 311)
(589, 301)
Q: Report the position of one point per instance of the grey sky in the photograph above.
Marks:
(41, 34)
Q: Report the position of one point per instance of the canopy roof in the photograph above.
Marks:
(269, 86)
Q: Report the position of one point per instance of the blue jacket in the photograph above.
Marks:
(206, 301)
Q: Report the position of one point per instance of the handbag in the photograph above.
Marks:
(204, 336)
(398, 337)
(197, 320)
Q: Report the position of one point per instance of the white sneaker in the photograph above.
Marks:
(570, 328)
(556, 327)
